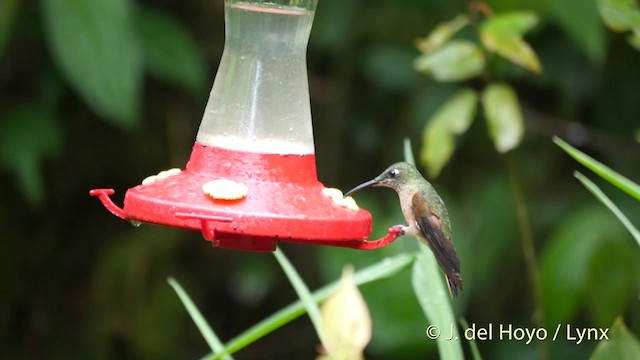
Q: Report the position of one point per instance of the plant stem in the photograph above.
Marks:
(303, 293)
(207, 332)
(528, 249)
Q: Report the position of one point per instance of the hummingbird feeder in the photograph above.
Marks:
(251, 179)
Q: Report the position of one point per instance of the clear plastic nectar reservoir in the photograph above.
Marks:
(260, 97)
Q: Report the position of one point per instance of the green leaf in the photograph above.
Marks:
(380, 270)
(504, 118)
(595, 190)
(614, 275)
(8, 11)
(581, 21)
(453, 118)
(459, 111)
(634, 38)
(567, 264)
(212, 339)
(442, 33)
(433, 297)
(620, 345)
(455, 61)
(94, 45)
(620, 15)
(602, 170)
(28, 135)
(502, 34)
(437, 148)
(170, 52)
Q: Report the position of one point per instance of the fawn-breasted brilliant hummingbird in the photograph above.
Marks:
(426, 216)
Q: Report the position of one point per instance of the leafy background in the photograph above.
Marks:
(103, 93)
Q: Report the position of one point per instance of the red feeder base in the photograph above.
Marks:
(284, 202)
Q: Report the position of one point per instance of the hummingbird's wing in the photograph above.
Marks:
(430, 226)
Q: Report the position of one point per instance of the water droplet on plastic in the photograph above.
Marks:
(135, 223)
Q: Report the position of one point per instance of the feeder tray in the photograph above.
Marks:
(284, 202)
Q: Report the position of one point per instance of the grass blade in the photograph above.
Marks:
(595, 190)
(303, 293)
(214, 342)
(604, 171)
(408, 153)
(380, 270)
(475, 353)
(433, 296)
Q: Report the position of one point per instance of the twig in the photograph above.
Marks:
(528, 249)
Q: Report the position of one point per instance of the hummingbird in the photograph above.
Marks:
(426, 215)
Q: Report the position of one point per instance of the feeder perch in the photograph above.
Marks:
(251, 179)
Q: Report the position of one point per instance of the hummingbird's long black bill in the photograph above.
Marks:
(362, 186)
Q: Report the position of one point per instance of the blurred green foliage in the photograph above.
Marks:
(93, 43)
(453, 60)
(622, 344)
(104, 93)
(622, 16)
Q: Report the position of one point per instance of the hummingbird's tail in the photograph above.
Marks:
(455, 284)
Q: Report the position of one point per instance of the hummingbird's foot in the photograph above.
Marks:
(399, 229)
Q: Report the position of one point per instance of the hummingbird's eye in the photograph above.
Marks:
(393, 173)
